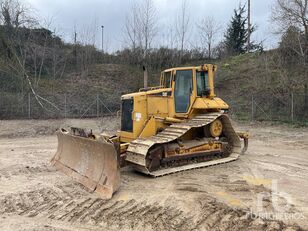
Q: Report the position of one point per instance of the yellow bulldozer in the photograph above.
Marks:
(177, 126)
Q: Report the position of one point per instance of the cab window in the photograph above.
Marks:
(202, 82)
(183, 89)
(167, 79)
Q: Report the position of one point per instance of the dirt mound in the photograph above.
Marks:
(35, 128)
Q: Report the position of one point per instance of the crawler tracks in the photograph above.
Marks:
(138, 150)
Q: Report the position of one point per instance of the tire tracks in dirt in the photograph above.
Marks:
(24, 170)
(71, 204)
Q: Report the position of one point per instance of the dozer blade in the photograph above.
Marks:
(91, 162)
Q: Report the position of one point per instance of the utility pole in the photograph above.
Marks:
(29, 106)
(102, 39)
(292, 107)
(249, 28)
(252, 109)
(75, 38)
(97, 105)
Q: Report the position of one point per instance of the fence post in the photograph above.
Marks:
(97, 105)
(252, 108)
(29, 105)
(292, 107)
(65, 106)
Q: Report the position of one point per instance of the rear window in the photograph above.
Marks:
(202, 82)
(167, 79)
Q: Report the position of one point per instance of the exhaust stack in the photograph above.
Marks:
(145, 77)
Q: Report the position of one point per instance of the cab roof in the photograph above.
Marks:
(201, 67)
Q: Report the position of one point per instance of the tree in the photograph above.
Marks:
(131, 28)
(141, 26)
(182, 25)
(14, 18)
(237, 33)
(292, 18)
(16, 14)
(25, 49)
(148, 24)
(208, 29)
(293, 13)
(291, 45)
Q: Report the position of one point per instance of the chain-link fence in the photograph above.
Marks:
(29, 106)
(262, 107)
(287, 107)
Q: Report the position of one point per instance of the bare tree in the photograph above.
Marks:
(148, 24)
(15, 13)
(292, 17)
(289, 13)
(85, 46)
(208, 29)
(292, 13)
(171, 33)
(20, 41)
(131, 29)
(182, 25)
(141, 25)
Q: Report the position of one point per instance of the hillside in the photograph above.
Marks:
(240, 80)
(277, 92)
(74, 93)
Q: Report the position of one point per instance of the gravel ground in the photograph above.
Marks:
(266, 189)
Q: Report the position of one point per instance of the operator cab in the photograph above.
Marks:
(188, 84)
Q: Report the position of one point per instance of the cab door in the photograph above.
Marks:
(183, 87)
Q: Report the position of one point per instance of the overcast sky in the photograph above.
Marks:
(88, 16)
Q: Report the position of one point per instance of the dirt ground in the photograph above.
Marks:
(266, 189)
